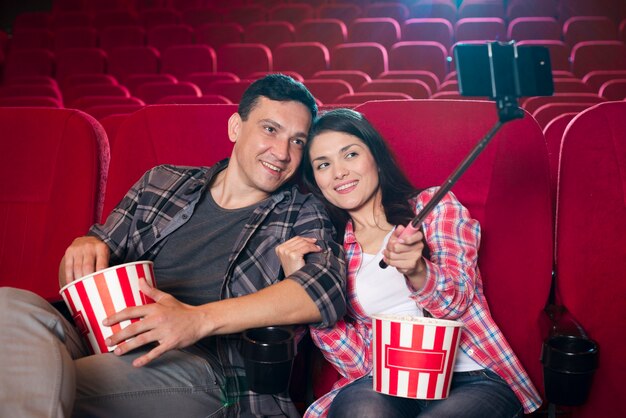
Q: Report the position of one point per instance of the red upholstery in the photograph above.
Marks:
(52, 171)
(539, 27)
(133, 81)
(159, 16)
(528, 8)
(102, 111)
(343, 11)
(479, 29)
(197, 16)
(26, 90)
(230, 89)
(589, 28)
(533, 103)
(354, 77)
(80, 79)
(428, 29)
(595, 79)
(431, 80)
(29, 62)
(613, 89)
(243, 59)
(507, 189)
(71, 19)
(244, 15)
(544, 114)
(305, 58)
(393, 9)
(444, 9)
(182, 60)
(553, 132)
(362, 97)
(111, 18)
(30, 101)
(31, 20)
(86, 102)
(480, 9)
(80, 61)
(329, 32)
(32, 38)
(73, 93)
(153, 92)
(271, 33)
(598, 55)
(119, 36)
(418, 55)
(75, 38)
(111, 124)
(369, 57)
(293, 13)
(590, 246)
(186, 99)
(163, 36)
(129, 60)
(204, 80)
(327, 90)
(569, 8)
(384, 30)
(416, 89)
(449, 85)
(216, 34)
(166, 134)
(571, 85)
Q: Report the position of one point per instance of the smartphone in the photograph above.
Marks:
(497, 69)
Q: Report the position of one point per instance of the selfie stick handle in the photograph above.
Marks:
(416, 223)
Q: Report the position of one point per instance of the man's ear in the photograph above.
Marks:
(234, 127)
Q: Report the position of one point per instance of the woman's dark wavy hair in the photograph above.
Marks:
(394, 184)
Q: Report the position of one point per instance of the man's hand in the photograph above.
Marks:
(84, 256)
(169, 323)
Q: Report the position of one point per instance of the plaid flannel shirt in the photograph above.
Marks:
(453, 290)
(164, 199)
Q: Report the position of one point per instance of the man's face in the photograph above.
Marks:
(269, 144)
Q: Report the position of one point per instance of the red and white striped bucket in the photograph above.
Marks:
(414, 356)
(99, 295)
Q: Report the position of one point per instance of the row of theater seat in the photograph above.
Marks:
(68, 178)
(245, 12)
(330, 32)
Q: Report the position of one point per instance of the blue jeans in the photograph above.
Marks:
(478, 394)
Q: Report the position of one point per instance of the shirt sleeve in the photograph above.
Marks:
(452, 271)
(323, 276)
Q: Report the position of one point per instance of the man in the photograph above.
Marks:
(212, 234)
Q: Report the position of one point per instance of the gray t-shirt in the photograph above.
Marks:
(192, 263)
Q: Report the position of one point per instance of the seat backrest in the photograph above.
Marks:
(544, 114)
(591, 244)
(588, 56)
(327, 90)
(79, 37)
(243, 59)
(531, 8)
(129, 60)
(479, 29)
(531, 104)
(507, 189)
(480, 9)
(305, 58)
(571, 85)
(613, 89)
(119, 36)
(589, 28)
(272, 33)
(166, 134)
(369, 57)
(343, 11)
(62, 161)
(32, 38)
(197, 16)
(384, 30)
(443, 9)
(164, 36)
(153, 92)
(553, 133)
(29, 62)
(419, 55)
(182, 60)
(329, 32)
(539, 27)
(595, 79)
(216, 34)
(428, 29)
(73, 93)
(204, 80)
(365, 96)
(111, 18)
(80, 61)
(291, 12)
(232, 90)
(417, 89)
(244, 14)
(159, 16)
(355, 77)
(431, 80)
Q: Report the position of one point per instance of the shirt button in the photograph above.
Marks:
(470, 352)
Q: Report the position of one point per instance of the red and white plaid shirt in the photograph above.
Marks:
(453, 290)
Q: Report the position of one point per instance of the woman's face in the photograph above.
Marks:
(344, 170)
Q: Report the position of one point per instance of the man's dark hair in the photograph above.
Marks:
(278, 87)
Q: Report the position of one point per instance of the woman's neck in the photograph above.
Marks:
(371, 226)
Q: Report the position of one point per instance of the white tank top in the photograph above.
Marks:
(385, 291)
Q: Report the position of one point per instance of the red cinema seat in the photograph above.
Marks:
(540, 27)
(166, 134)
(30, 101)
(327, 90)
(153, 92)
(481, 9)
(205, 80)
(369, 57)
(62, 156)
(186, 99)
(114, 18)
(393, 9)
(354, 77)
(329, 32)
(305, 58)
(29, 38)
(613, 89)
(291, 12)
(71, 94)
(133, 81)
(272, 33)
(129, 60)
(102, 111)
(31, 20)
(232, 90)
(419, 55)
(216, 34)
(111, 124)
(416, 89)
(362, 97)
(553, 132)
(87, 102)
(570, 85)
(591, 247)
(569, 8)
(342, 11)
(531, 8)
(164, 36)
(429, 29)
(507, 189)
(383, 30)
(244, 14)
(243, 59)
(71, 19)
(65, 38)
(182, 60)
(80, 61)
(559, 52)
(595, 79)
(531, 104)
(546, 113)
(449, 85)
(443, 9)
(29, 62)
(597, 55)
(198, 16)
(159, 16)
(480, 28)
(120, 36)
(30, 90)
(589, 28)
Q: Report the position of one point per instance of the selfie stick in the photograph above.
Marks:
(508, 110)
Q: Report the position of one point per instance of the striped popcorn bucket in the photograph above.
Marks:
(99, 295)
(414, 356)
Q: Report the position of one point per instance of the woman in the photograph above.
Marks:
(433, 272)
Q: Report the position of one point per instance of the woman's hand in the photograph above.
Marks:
(291, 253)
(405, 254)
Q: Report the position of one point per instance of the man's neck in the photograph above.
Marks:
(231, 193)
